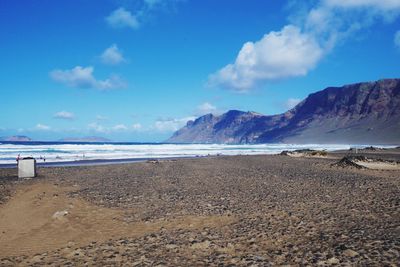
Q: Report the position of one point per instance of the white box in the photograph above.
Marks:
(26, 168)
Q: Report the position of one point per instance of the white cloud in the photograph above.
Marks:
(344, 18)
(136, 126)
(292, 102)
(121, 18)
(82, 77)
(171, 125)
(65, 115)
(42, 127)
(205, 108)
(119, 127)
(112, 56)
(380, 4)
(300, 46)
(397, 39)
(145, 10)
(278, 55)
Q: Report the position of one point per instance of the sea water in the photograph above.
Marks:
(66, 152)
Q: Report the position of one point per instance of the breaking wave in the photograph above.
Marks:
(62, 152)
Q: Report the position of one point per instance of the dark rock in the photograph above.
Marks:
(347, 162)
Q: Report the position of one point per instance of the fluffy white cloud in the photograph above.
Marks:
(278, 55)
(121, 18)
(112, 56)
(42, 127)
(145, 10)
(82, 77)
(171, 125)
(344, 17)
(65, 115)
(205, 108)
(397, 39)
(300, 46)
(292, 102)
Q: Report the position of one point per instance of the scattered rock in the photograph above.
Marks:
(60, 214)
(350, 253)
(202, 245)
(333, 260)
(284, 211)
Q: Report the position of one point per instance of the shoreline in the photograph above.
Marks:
(111, 154)
(336, 154)
(98, 162)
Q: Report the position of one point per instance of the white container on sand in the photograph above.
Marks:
(27, 168)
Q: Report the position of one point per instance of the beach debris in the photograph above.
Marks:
(155, 161)
(26, 167)
(60, 214)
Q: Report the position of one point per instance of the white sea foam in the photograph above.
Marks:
(75, 152)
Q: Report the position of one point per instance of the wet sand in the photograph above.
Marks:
(238, 211)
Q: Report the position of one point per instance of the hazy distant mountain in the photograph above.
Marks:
(362, 113)
(16, 138)
(85, 139)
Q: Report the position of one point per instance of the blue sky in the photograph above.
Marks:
(137, 70)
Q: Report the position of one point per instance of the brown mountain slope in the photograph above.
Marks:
(362, 113)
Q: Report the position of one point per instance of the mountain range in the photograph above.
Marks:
(361, 113)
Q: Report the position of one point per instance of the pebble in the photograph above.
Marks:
(286, 211)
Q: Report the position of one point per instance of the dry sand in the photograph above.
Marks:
(41, 217)
(241, 210)
(376, 165)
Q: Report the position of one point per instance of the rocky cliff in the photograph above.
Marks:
(362, 113)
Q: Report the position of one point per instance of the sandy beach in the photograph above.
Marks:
(214, 211)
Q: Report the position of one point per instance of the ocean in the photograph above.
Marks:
(75, 152)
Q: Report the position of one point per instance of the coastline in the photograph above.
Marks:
(227, 210)
(78, 152)
(94, 162)
(385, 151)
